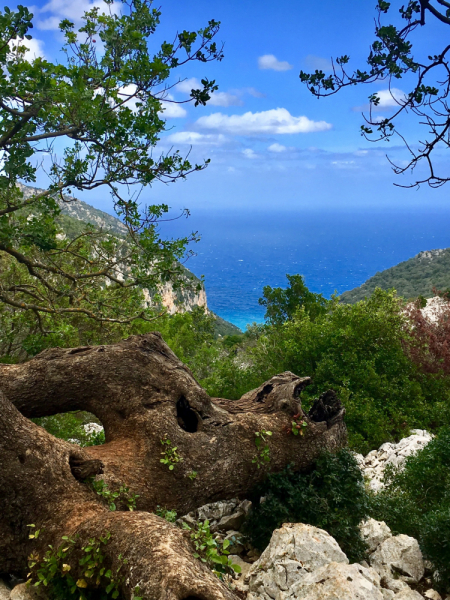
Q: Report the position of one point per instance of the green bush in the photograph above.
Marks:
(332, 497)
(416, 502)
(357, 350)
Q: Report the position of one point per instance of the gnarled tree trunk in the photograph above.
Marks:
(142, 394)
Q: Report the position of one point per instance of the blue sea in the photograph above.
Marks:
(242, 251)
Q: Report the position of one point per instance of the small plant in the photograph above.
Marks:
(298, 424)
(192, 475)
(170, 454)
(121, 496)
(208, 550)
(263, 454)
(54, 570)
(35, 534)
(168, 515)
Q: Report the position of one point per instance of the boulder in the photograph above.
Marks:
(374, 533)
(224, 515)
(22, 591)
(408, 594)
(400, 556)
(4, 591)
(432, 595)
(294, 551)
(337, 581)
(374, 464)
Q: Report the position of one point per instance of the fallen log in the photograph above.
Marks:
(166, 439)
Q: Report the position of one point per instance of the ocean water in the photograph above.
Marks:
(243, 251)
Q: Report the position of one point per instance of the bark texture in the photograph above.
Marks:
(142, 394)
(38, 487)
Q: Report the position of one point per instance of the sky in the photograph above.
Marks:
(272, 145)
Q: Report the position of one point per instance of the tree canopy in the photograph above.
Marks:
(391, 58)
(93, 120)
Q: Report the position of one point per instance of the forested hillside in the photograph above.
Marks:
(411, 278)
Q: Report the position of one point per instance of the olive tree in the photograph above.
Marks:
(92, 120)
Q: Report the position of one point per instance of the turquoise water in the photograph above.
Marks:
(241, 252)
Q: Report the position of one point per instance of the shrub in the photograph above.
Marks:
(416, 502)
(331, 497)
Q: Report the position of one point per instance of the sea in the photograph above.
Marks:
(242, 251)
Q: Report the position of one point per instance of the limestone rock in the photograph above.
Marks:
(399, 555)
(374, 464)
(294, 551)
(387, 594)
(4, 591)
(224, 515)
(27, 592)
(374, 533)
(337, 581)
(408, 594)
(432, 595)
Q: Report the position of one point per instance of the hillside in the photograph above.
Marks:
(411, 278)
(75, 212)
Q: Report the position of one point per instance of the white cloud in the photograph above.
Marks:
(249, 153)
(317, 62)
(390, 98)
(187, 85)
(172, 111)
(275, 121)
(277, 148)
(217, 98)
(269, 61)
(68, 9)
(34, 48)
(193, 138)
(224, 99)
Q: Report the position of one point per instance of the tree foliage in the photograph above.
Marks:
(362, 351)
(391, 58)
(331, 497)
(93, 120)
(282, 303)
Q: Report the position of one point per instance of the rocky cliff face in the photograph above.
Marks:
(174, 300)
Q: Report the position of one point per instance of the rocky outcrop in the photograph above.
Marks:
(398, 557)
(374, 533)
(374, 464)
(294, 551)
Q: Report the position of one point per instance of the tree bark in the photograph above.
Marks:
(143, 395)
(37, 487)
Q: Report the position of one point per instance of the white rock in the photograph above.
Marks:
(408, 595)
(4, 591)
(294, 551)
(27, 592)
(432, 595)
(90, 428)
(337, 581)
(387, 594)
(374, 533)
(398, 555)
(396, 585)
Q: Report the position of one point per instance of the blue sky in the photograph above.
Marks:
(272, 144)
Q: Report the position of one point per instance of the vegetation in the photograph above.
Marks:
(427, 76)
(416, 502)
(415, 277)
(105, 104)
(54, 572)
(362, 351)
(332, 497)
